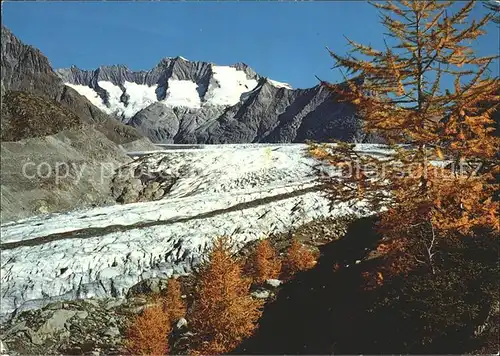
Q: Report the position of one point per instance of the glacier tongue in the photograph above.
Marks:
(245, 191)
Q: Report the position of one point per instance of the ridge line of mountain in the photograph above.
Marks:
(189, 102)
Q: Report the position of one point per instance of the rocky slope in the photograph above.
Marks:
(58, 149)
(181, 101)
(25, 69)
(64, 171)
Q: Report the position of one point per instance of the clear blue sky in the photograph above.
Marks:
(282, 40)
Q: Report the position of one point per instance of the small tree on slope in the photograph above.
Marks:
(223, 313)
(298, 258)
(263, 263)
(148, 333)
(173, 304)
(403, 99)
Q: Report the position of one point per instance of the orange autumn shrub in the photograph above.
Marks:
(263, 263)
(298, 258)
(223, 313)
(148, 333)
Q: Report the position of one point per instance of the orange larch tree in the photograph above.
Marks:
(148, 333)
(223, 312)
(438, 176)
(263, 263)
(173, 304)
(298, 258)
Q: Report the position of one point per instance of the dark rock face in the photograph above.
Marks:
(268, 112)
(272, 114)
(175, 68)
(25, 69)
(165, 124)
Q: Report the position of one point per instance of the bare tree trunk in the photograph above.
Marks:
(429, 250)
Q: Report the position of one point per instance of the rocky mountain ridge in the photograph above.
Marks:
(25, 69)
(48, 124)
(182, 101)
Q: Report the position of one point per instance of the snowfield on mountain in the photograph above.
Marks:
(244, 191)
(189, 102)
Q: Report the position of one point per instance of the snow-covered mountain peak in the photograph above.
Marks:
(175, 82)
(185, 101)
(280, 84)
(227, 85)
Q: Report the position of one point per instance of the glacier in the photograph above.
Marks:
(244, 191)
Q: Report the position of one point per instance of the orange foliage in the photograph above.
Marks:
(298, 258)
(263, 264)
(450, 203)
(223, 313)
(148, 333)
(400, 95)
(173, 304)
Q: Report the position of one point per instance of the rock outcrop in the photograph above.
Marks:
(59, 151)
(83, 327)
(25, 69)
(68, 170)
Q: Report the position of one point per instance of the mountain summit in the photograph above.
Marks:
(182, 101)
